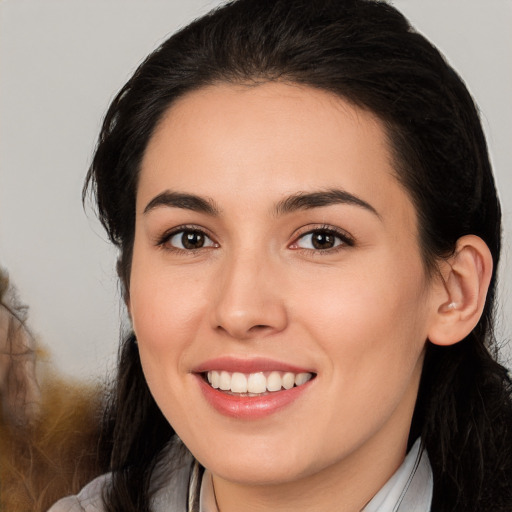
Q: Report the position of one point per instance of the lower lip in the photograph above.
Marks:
(250, 407)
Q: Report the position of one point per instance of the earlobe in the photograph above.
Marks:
(460, 300)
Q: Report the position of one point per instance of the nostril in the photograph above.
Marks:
(259, 327)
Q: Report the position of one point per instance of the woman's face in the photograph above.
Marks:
(274, 246)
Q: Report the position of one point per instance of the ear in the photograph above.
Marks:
(460, 297)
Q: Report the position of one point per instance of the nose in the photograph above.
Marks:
(249, 301)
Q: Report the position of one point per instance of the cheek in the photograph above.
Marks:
(367, 315)
(166, 307)
(370, 326)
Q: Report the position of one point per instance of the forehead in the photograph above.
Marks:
(266, 141)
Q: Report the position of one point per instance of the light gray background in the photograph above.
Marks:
(62, 61)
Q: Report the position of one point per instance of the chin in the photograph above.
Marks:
(273, 473)
(259, 464)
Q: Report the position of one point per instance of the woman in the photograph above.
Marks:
(309, 234)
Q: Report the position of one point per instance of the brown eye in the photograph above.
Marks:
(322, 240)
(190, 239)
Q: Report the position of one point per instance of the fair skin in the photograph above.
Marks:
(332, 286)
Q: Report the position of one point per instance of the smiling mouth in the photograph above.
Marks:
(255, 384)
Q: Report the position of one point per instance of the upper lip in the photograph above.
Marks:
(253, 365)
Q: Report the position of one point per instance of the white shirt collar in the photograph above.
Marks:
(410, 488)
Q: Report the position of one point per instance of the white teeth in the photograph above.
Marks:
(238, 383)
(274, 382)
(225, 381)
(288, 380)
(256, 383)
(302, 378)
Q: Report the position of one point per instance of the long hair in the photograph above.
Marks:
(366, 52)
(49, 425)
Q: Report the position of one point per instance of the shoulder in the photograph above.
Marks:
(89, 499)
(169, 485)
(171, 479)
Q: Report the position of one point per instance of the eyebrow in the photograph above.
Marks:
(185, 201)
(308, 200)
(295, 202)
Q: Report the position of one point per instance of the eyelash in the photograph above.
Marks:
(345, 239)
(163, 241)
